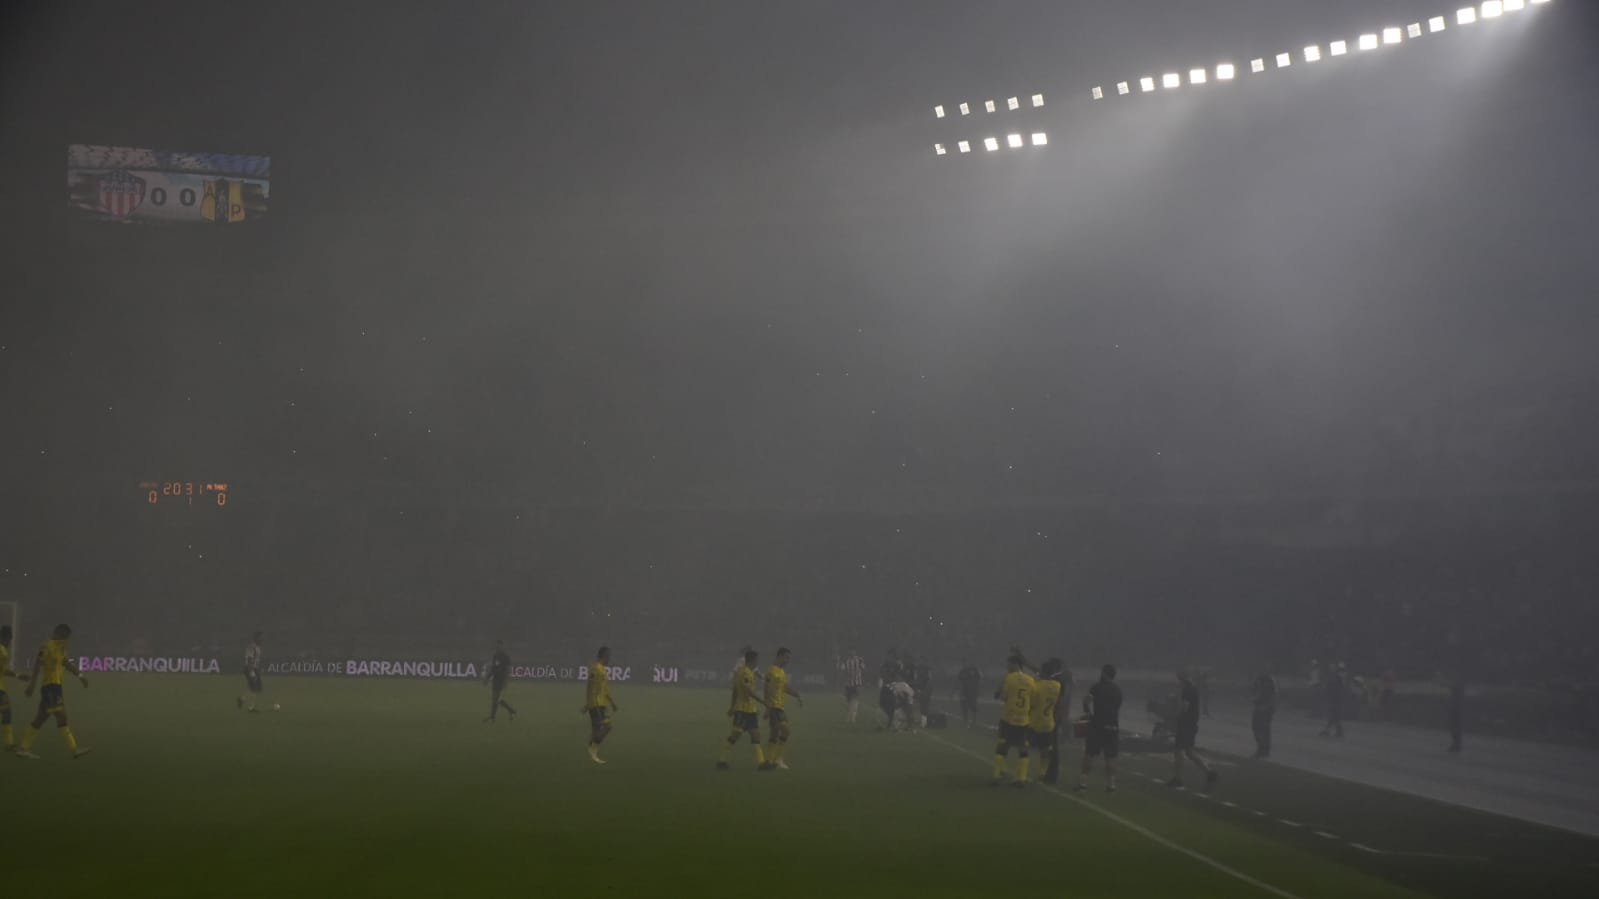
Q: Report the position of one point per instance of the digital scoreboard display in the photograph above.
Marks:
(184, 493)
(138, 186)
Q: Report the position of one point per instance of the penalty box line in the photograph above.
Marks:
(1142, 831)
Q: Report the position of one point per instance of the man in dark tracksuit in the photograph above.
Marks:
(1264, 709)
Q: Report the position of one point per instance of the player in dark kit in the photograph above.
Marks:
(497, 673)
(1187, 733)
(969, 679)
(1103, 704)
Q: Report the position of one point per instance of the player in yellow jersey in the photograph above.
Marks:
(6, 740)
(777, 693)
(1016, 694)
(597, 702)
(1041, 722)
(49, 671)
(741, 708)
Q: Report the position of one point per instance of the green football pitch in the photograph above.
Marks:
(396, 788)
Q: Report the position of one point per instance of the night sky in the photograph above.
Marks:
(703, 253)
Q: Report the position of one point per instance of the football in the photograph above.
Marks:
(276, 707)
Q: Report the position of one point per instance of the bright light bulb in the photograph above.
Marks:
(1013, 103)
(1493, 9)
(966, 109)
(1392, 35)
(1413, 29)
(939, 149)
(1038, 100)
(1466, 16)
(1257, 65)
(1171, 80)
(1284, 60)
(1368, 42)
(964, 146)
(1436, 24)
(991, 144)
(1515, 5)
(1338, 48)
(1312, 54)
(1014, 141)
(1123, 88)
(938, 111)
(989, 105)
(1040, 138)
(1226, 72)
(1099, 93)
(1197, 76)
(1146, 84)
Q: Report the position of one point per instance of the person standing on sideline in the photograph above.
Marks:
(252, 675)
(1103, 705)
(1457, 709)
(967, 681)
(1335, 685)
(1265, 708)
(496, 675)
(1187, 734)
(852, 671)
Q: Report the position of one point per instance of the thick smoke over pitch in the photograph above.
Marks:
(586, 322)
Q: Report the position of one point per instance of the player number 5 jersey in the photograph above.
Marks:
(1017, 695)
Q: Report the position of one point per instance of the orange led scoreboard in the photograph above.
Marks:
(187, 493)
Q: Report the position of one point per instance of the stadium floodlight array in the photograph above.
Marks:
(1390, 35)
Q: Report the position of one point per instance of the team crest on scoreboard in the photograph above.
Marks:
(120, 192)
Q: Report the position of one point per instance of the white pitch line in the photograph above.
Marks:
(1325, 835)
(1289, 823)
(1147, 833)
(1229, 804)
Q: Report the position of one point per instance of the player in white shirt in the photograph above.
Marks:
(252, 674)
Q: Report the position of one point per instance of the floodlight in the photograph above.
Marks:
(964, 146)
(1436, 24)
(1493, 9)
(938, 111)
(1368, 42)
(1196, 76)
(1392, 35)
(1040, 138)
(1146, 84)
(1257, 65)
(1014, 141)
(1284, 60)
(988, 105)
(1038, 100)
(1540, 1)
(1171, 80)
(1312, 54)
(1013, 104)
(1123, 88)
(1466, 16)
(1338, 48)
(1225, 72)
(1099, 93)
(939, 149)
(991, 144)
(966, 109)
(1413, 29)
(1515, 5)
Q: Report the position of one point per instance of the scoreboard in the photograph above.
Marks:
(210, 494)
